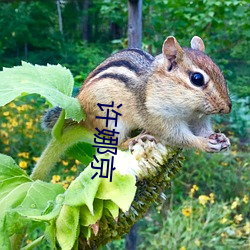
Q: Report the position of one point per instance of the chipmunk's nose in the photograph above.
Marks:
(227, 108)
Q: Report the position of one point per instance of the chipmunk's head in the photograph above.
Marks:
(198, 76)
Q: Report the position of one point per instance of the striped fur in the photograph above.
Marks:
(157, 95)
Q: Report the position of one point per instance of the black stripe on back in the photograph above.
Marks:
(142, 53)
(118, 77)
(118, 63)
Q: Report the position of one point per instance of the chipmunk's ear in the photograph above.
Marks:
(197, 43)
(171, 49)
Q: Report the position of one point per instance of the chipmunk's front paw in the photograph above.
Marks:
(141, 139)
(218, 142)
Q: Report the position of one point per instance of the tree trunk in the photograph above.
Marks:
(59, 16)
(135, 23)
(85, 21)
(131, 238)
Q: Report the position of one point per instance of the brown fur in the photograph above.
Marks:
(157, 94)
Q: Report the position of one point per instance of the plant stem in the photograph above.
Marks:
(57, 146)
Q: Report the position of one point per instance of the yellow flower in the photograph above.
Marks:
(65, 163)
(197, 152)
(70, 178)
(224, 164)
(203, 199)
(238, 233)
(247, 227)
(77, 162)
(193, 190)
(235, 203)
(14, 123)
(65, 185)
(245, 199)
(24, 154)
(24, 107)
(6, 113)
(187, 211)
(183, 248)
(12, 105)
(197, 242)
(73, 168)
(223, 220)
(35, 159)
(238, 218)
(234, 152)
(23, 164)
(4, 134)
(55, 178)
(211, 195)
(6, 149)
(6, 141)
(29, 124)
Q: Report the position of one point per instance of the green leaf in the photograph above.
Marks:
(53, 82)
(9, 168)
(50, 234)
(6, 186)
(26, 202)
(82, 190)
(86, 231)
(4, 240)
(14, 198)
(46, 216)
(112, 208)
(39, 194)
(83, 152)
(87, 218)
(20, 197)
(121, 190)
(14, 223)
(67, 226)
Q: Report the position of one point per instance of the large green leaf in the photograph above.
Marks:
(112, 208)
(86, 218)
(83, 152)
(121, 190)
(40, 193)
(9, 168)
(6, 186)
(21, 199)
(67, 226)
(53, 82)
(82, 190)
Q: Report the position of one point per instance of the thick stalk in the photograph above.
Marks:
(58, 146)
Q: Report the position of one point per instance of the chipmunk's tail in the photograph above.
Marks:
(50, 117)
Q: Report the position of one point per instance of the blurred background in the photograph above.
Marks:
(207, 206)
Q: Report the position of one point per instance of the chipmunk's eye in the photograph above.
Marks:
(197, 79)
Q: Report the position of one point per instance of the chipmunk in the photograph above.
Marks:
(170, 96)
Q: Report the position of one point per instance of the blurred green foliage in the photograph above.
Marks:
(30, 31)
